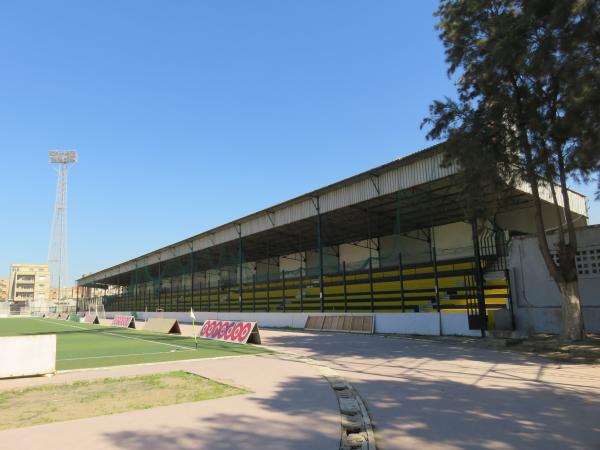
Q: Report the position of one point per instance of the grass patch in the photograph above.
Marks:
(81, 399)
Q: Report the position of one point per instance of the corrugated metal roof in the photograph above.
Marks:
(418, 168)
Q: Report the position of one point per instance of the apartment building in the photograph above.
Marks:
(69, 292)
(29, 282)
(3, 289)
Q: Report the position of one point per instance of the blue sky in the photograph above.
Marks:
(190, 114)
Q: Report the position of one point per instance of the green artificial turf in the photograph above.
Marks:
(81, 345)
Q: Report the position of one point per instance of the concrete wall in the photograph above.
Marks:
(402, 323)
(292, 262)
(354, 254)
(265, 266)
(330, 259)
(22, 356)
(453, 240)
(414, 248)
(535, 295)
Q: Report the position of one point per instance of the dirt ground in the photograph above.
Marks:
(551, 346)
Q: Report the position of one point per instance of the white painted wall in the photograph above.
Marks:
(354, 254)
(453, 240)
(535, 295)
(292, 262)
(408, 323)
(399, 323)
(414, 250)
(270, 266)
(22, 356)
(330, 259)
(457, 324)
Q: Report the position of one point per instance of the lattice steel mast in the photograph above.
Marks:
(57, 253)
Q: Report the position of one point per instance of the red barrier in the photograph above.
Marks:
(91, 318)
(230, 331)
(123, 322)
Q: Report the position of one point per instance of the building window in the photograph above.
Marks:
(25, 277)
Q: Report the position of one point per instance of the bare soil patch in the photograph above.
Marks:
(551, 346)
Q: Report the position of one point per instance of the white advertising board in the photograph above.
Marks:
(22, 356)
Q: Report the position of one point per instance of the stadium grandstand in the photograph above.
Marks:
(393, 239)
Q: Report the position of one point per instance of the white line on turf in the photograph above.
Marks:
(118, 335)
(124, 355)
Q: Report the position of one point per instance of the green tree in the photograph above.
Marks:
(528, 106)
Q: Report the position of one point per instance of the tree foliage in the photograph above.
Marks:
(528, 107)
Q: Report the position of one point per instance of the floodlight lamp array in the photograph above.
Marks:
(57, 157)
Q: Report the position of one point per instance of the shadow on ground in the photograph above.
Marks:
(446, 414)
(308, 420)
(429, 394)
(334, 346)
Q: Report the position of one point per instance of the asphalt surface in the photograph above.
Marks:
(421, 393)
(453, 395)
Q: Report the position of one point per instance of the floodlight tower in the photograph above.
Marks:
(57, 253)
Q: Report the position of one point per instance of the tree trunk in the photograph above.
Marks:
(572, 327)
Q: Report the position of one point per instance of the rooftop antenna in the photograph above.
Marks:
(57, 253)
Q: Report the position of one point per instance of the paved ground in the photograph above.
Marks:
(292, 407)
(424, 394)
(420, 393)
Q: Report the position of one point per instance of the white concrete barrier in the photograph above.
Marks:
(430, 323)
(408, 323)
(22, 356)
(457, 324)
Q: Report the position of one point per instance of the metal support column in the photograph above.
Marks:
(283, 289)
(401, 274)
(345, 288)
(241, 255)
(229, 298)
(219, 293)
(268, 285)
(253, 292)
(436, 279)
(301, 289)
(209, 305)
(479, 278)
(317, 206)
(371, 284)
(159, 283)
(192, 274)
(370, 262)
(170, 295)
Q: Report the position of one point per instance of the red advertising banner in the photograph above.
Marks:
(230, 331)
(91, 318)
(123, 322)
